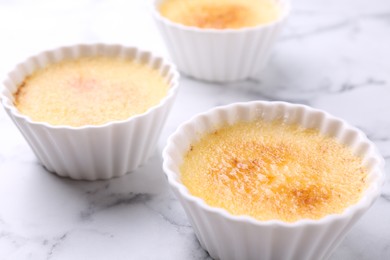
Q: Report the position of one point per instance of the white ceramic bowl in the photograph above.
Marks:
(226, 236)
(220, 55)
(92, 152)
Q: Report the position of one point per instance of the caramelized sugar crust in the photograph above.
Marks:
(273, 171)
(220, 14)
(90, 91)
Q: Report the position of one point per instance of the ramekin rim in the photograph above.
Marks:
(156, 14)
(368, 198)
(173, 89)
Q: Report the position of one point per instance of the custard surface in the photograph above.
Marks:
(90, 91)
(220, 14)
(273, 171)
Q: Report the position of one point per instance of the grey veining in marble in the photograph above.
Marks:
(333, 55)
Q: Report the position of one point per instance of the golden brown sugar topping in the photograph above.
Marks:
(220, 14)
(90, 91)
(273, 171)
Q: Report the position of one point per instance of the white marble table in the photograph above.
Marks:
(333, 55)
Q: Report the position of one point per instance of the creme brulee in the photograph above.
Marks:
(90, 91)
(220, 14)
(273, 171)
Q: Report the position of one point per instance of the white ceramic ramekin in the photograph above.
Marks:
(92, 152)
(226, 236)
(220, 55)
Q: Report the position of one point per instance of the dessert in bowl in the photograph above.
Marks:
(272, 180)
(220, 14)
(90, 91)
(91, 111)
(222, 41)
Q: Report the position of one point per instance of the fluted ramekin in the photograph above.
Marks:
(226, 236)
(220, 55)
(92, 152)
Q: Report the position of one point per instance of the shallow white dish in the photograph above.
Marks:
(226, 236)
(92, 152)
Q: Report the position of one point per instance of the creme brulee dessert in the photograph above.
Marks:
(220, 14)
(273, 171)
(90, 91)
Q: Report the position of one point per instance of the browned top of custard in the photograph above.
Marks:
(90, 91)
(220, 14)
(273, 171)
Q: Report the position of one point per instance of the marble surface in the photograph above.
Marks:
(333, 55)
